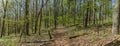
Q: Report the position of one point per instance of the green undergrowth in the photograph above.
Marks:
(8, 40)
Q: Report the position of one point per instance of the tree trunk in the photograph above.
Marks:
(27, 17)
(4, 16)
(115, 27)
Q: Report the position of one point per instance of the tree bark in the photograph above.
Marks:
(115, 26)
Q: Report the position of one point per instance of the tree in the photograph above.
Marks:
(115, 26)
(27, 17)
(55, 13)
(4, 15)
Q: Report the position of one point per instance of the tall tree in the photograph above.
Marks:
(27, 17)
(4, 15)
(115, 27)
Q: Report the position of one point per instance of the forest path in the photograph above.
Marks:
(85, 39)
(47, 42)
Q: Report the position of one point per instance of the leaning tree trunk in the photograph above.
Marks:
(115, 27)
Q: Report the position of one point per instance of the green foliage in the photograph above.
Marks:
(64, 1)
(83, 5)
(17, 20)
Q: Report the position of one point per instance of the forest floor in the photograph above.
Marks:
(84, 37)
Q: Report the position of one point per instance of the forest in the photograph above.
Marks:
(59, 22)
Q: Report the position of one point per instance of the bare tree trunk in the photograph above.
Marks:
(115, 27)
(27, 17)
(36, 21)
(55, 13)
(3, 23)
